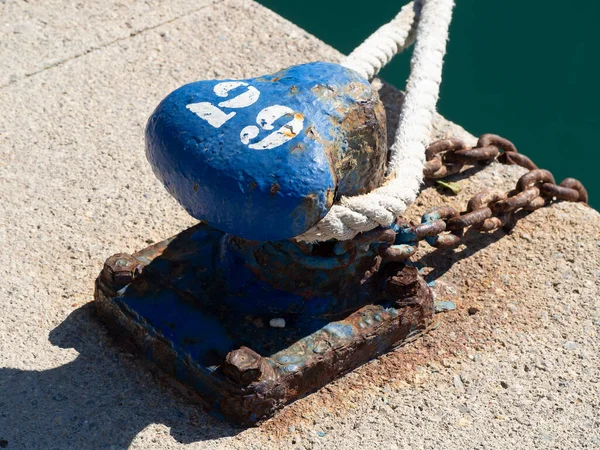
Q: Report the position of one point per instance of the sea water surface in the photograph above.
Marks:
(527, 70)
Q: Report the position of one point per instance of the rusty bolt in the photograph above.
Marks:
(120, 270)
(404, 283)
(243, 366)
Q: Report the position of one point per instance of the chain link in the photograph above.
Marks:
(444, 226)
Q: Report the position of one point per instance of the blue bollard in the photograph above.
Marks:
(266, 158)
(233, 308)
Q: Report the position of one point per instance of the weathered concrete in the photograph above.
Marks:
(77, 88)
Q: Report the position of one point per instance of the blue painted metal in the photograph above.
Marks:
(335, 147)
(444, 306)
(404, 234)
(430, 217)
(204, 295)
(260, 161)
(282, 278)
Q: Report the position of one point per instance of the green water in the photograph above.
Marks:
(527, 70)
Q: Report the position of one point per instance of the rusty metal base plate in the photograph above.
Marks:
(242, 368)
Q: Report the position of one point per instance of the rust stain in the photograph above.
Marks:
(287, 132)
(298, 148)
(330, 197)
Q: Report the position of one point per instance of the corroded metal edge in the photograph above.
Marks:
(382, 328)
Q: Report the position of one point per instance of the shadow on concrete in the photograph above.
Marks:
(101, 400)
(107, 395)
(441, 260)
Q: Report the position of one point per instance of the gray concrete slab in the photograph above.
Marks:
(75, 188)
(38, 35)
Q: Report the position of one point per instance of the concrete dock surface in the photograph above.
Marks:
(77, 83)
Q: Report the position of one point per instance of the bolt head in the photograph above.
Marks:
(404, 283)
(243, 366)
(119, 270)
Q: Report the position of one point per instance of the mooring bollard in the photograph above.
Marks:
(238, 309)
(266, 158)
(235, 307)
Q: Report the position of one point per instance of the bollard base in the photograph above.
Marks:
(241, 366)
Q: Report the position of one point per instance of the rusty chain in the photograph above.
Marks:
(444, 226)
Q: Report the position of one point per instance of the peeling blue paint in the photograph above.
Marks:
(196, 145)
(205, 294)
(215, 280)
(340, 331)
(441, 306)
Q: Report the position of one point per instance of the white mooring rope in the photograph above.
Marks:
(407, 154)
(388, 41)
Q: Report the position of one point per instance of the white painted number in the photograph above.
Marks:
(242, 100)
(214, 115)
(265, 118)
(210, 113)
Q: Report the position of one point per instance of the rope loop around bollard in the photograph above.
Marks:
(383, 205)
